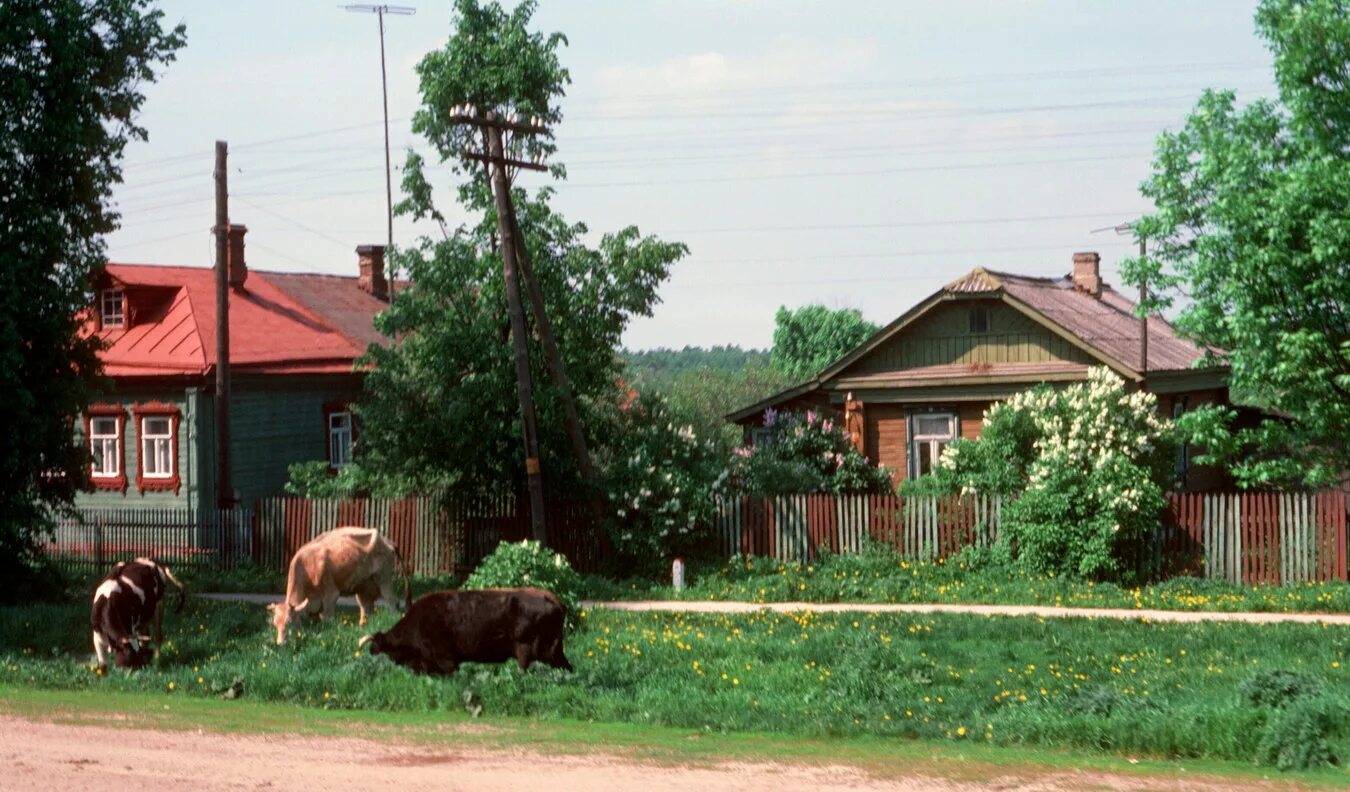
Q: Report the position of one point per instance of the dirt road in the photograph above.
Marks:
(41, 756)
(1044, 611)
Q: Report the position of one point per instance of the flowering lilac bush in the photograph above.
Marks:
(1086, 468)
(661, 480)
(804, 452)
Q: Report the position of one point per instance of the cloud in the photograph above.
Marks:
(712, 76)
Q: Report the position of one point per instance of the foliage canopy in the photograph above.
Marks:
(71, 75)
(442, 406)
(812, 337)
(1250, 226)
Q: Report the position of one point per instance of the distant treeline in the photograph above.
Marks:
(661, 362)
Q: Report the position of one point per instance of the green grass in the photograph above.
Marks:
(880, 575)
(1109, 686)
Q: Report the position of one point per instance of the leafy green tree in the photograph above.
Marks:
(804, 452)
(1251, 228)
(442, 405)
(812, 337)
(70, 80)
(701, 386)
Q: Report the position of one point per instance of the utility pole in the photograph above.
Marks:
(380, 11)
(494, 126)
(224, 487)
(1128, 228)
(556, 369)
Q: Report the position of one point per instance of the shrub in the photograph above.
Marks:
(1296, 737)
(1277, 688)
(1086, 468)
(528, 563)
(660, 479)
(805, 452)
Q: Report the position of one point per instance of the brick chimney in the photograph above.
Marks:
(238, 267)
(371, 280)
(1087, 273)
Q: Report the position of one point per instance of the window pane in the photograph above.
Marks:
(925, 458)
(156, 427)
(163, 453)
(339, 420)
(936, 426)
(103, 427)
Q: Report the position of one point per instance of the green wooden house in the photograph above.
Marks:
(294, 340)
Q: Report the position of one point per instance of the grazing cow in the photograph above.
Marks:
(339, 562)
(127, 604)
(445, 628)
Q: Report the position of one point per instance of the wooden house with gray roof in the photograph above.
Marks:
(926, 378)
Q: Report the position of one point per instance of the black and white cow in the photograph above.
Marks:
(127, 605)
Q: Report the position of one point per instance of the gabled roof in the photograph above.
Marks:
(279, 323)
(1104, 327)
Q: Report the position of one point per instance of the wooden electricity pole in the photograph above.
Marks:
(496, 158)
(224, 487)
(552, 357)
(517, 269)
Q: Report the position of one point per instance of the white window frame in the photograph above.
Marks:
(111, 445)
(339, 439)
(936, 442)
(155, 443)
(112, 308)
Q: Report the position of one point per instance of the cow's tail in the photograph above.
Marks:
(407, 577)
(182, 590)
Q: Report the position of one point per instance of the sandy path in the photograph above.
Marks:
(42, 757)
(1044, 611)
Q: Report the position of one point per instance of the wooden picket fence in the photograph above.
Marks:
(93, 539)
(794, 527)
(1255, 537)
(436, 536)
(1249, 538)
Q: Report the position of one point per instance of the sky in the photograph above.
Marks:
(857, 155)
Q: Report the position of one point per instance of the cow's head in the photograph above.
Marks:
(130, 653)
(283, 613)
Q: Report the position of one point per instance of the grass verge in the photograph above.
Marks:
(879, 574)
(1111, 687)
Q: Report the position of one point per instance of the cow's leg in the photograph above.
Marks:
(159, 627)
(330, 599)
(525, 654)
(101, 649)
(555, 656)
(364, 603)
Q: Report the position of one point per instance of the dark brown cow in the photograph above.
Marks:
(445, 628)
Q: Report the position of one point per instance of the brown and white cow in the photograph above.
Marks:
(445, 628)
(127, 605)
(343, 561)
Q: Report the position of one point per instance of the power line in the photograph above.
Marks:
(888, 254)
(900, 224)
(562, 186)
(296, 223)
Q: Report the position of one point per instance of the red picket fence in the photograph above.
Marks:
(1257, 537)
(794, 527)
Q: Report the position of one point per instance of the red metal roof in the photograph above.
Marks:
(278, 323)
